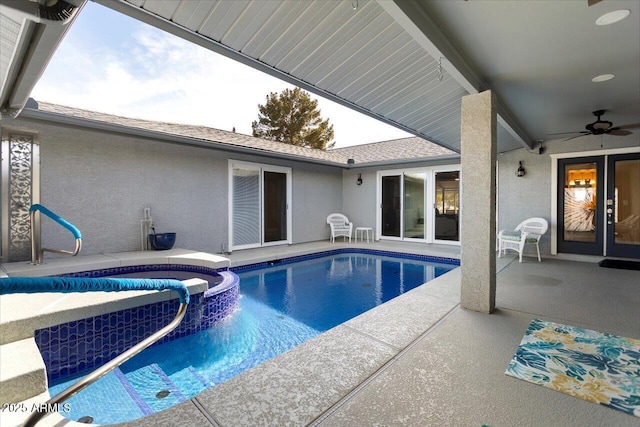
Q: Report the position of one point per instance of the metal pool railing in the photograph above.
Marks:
(37, 251)
(31, 285)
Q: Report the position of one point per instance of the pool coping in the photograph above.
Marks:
(18, 320)
(384, 345)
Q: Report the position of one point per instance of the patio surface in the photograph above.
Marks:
(421, 359)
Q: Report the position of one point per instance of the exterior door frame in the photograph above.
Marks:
(554, 185)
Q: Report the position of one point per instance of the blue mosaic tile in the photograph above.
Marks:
(85, 344)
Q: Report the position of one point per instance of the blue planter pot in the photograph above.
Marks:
(162, 241)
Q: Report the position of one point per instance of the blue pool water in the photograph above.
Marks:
(281, 307)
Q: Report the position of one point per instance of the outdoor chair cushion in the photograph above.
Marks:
(515, 236)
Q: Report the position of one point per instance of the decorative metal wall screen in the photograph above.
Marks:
(20, 158)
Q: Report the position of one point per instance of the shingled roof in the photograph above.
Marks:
(412, 148)
(397, 150)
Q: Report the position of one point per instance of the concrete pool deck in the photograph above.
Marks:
(420, 359)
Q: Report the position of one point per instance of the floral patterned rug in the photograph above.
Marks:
(594, 366)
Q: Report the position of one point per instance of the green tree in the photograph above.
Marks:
(293, 117)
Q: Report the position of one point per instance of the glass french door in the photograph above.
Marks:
(595, 218)
(623, 205)
(580, 210)
(260, 197)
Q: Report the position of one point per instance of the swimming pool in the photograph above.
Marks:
(282, 305)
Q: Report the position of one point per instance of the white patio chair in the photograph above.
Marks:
(528, 231)
(340, 226)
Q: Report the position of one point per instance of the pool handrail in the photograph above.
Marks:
(84, 284)
(37, 252)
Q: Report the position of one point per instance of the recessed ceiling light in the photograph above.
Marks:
(613, 17)
(602, 78)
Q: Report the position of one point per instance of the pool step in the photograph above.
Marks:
(151, 388)
(136, 394)
(99, 399)
(189, 382)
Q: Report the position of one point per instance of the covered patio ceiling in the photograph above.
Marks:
(408, 63)
(363, 54)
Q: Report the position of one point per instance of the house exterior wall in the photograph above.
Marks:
(530, 195)
(101, 183)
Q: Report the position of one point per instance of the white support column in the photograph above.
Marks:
(478, 218)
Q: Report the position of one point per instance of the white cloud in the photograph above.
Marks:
(158, 76)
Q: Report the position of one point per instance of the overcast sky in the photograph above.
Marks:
(114, 64)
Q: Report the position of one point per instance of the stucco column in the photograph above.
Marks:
(478, 218)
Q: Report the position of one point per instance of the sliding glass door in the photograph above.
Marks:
(419, 205)
(447, 210)
(275, 206)
(414, 202)
(391, 206)
(245, 207)
(259, 205)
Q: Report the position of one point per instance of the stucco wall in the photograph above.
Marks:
(359, 201)
(102, 182)
(529, 196)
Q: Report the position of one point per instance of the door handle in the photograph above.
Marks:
(609, 216)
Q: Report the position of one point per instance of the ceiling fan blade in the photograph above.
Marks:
(564, 133)
(592, 2)
(632, 126)
(577, 136)
(619, 132)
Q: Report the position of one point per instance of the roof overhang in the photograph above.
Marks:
(382, 59)
(31, 33)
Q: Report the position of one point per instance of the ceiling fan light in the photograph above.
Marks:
(602, 78)
(602, 125)
(613, 17)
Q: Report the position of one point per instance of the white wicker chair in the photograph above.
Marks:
(528, 231)
(340, 226)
